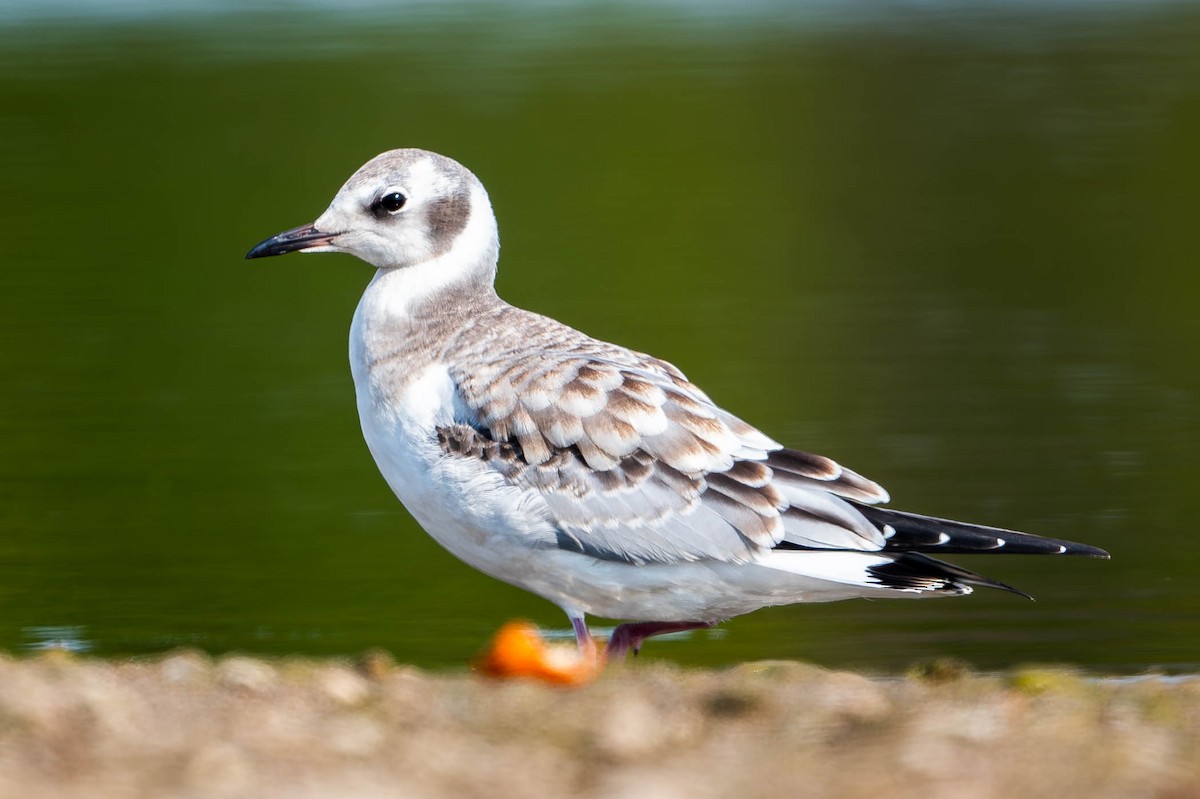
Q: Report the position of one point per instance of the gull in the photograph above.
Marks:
(592, 475)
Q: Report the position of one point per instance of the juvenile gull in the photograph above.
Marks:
(595, 476)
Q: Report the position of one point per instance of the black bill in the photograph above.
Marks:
(304, 237)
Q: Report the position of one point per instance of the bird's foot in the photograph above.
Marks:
(630, 637)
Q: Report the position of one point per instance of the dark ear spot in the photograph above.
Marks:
(447, 216)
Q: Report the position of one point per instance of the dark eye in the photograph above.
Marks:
(391, 202)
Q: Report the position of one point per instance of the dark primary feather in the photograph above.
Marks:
(910, 534)
(916, 533)
(912, 570)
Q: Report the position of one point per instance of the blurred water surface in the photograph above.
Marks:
(952, 245)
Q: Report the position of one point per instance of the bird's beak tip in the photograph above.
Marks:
(305, 237)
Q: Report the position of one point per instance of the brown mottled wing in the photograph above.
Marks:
(634, 463)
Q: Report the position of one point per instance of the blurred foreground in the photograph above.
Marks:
(186, 725)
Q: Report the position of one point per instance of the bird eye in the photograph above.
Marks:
(391, 202)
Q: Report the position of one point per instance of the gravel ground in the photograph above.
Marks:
(186, 725)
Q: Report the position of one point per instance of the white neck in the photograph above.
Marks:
(469, 265)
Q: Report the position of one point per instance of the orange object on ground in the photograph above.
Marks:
(518, 650)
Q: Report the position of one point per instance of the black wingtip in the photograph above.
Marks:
(913, 570)
(913, 532)
(988, 582)
(1081, 550)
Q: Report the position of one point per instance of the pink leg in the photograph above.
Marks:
(630, 636)
(583, 637)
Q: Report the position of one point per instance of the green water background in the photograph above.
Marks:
(952, 245)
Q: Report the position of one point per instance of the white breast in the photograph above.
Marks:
(465, 506)
(400, 430)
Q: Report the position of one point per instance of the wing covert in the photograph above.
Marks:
(634, 463)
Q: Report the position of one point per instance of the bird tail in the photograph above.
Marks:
(914, 571)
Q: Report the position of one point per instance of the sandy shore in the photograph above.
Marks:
(186, 725)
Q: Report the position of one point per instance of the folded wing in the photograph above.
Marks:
(634, 463)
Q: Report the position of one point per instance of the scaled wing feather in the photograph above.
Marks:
(634, 463)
